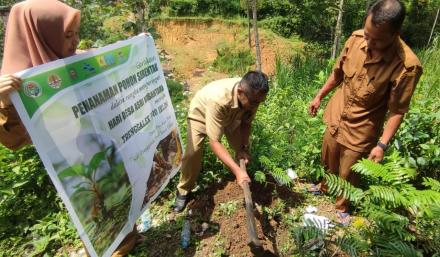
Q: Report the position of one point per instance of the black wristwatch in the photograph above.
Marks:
(382, 145)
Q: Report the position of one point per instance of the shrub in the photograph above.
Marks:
(392, 202)
(284, 135)
(233, 61)
(182, 7)
(418, 138)
(283, 26)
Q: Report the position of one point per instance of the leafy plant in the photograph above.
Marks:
(26, 192)
(233, 61)
(229, 208)
(284, 135)
(391, 202)
(312, 241)
(276, 211)
(90, 185)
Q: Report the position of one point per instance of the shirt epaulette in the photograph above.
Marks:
(408, 57)
(358, 33)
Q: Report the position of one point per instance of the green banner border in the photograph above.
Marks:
(36, 90)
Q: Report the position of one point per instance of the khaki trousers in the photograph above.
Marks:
(192, 161)
(338, 160)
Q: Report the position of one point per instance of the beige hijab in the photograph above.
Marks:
(34, 35)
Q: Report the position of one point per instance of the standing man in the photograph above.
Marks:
(227, 107)
(376, 75)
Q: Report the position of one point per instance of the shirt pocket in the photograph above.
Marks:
(349, 72)
(364, 90)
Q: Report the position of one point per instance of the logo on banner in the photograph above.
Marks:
(107, 60)
(32, 89)
(89, 68)
(73, 74)
(121, 56)
(54, 81)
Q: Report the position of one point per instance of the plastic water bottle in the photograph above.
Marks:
(145, 223)
(185, 236)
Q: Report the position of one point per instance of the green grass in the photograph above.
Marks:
(231, 60)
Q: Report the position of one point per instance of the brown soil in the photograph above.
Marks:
(227, 234)
(192, 46)
(233, 230)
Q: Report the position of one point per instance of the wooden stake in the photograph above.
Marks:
(251, 228)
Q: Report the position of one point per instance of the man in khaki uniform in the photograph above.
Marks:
(227, 107)
(376, 75)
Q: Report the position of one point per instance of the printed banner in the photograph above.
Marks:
(104, 126)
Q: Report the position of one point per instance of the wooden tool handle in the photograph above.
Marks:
(251, 228)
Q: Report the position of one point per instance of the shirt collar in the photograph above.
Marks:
(390, 53)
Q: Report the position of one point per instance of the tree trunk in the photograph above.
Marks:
(433, 26)
(249, 13)
(147, 15)
(257, 39)
(141, 12)
(338, 31)
(367, 5)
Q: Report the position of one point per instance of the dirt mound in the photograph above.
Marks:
(232, 227)
(222, 208)
(192, 45)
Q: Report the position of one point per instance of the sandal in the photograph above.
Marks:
(344, 218)
(180, 203)
(314, 190)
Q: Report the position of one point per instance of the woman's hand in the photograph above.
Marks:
(8, 83)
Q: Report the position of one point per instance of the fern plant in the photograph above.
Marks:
(278, 173)
(312, 241)
(393, 204)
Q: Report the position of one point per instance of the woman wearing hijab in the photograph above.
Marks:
(37, 32)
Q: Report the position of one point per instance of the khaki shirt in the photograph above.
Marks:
(368, 89)
(215, 108)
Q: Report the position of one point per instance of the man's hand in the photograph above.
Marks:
(242, 177)
(242, 154)
(376, 154)
(333, 81)
(8, 83)
(314, 106)
(223, 154)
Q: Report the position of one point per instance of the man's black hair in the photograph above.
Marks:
(387, 11)
(257, 81)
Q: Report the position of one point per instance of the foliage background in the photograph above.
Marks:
(312, 21)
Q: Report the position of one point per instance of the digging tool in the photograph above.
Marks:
(252, 232)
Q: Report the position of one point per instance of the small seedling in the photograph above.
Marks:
(229, 208)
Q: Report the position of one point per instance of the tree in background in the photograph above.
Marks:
(433, 26)
(141, 10)
(257, 39)
(338, 31)
(312, 21)
(418, 22)
(246, 5)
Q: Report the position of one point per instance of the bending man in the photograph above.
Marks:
(227, 107)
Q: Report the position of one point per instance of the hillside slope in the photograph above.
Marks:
(192, 47)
